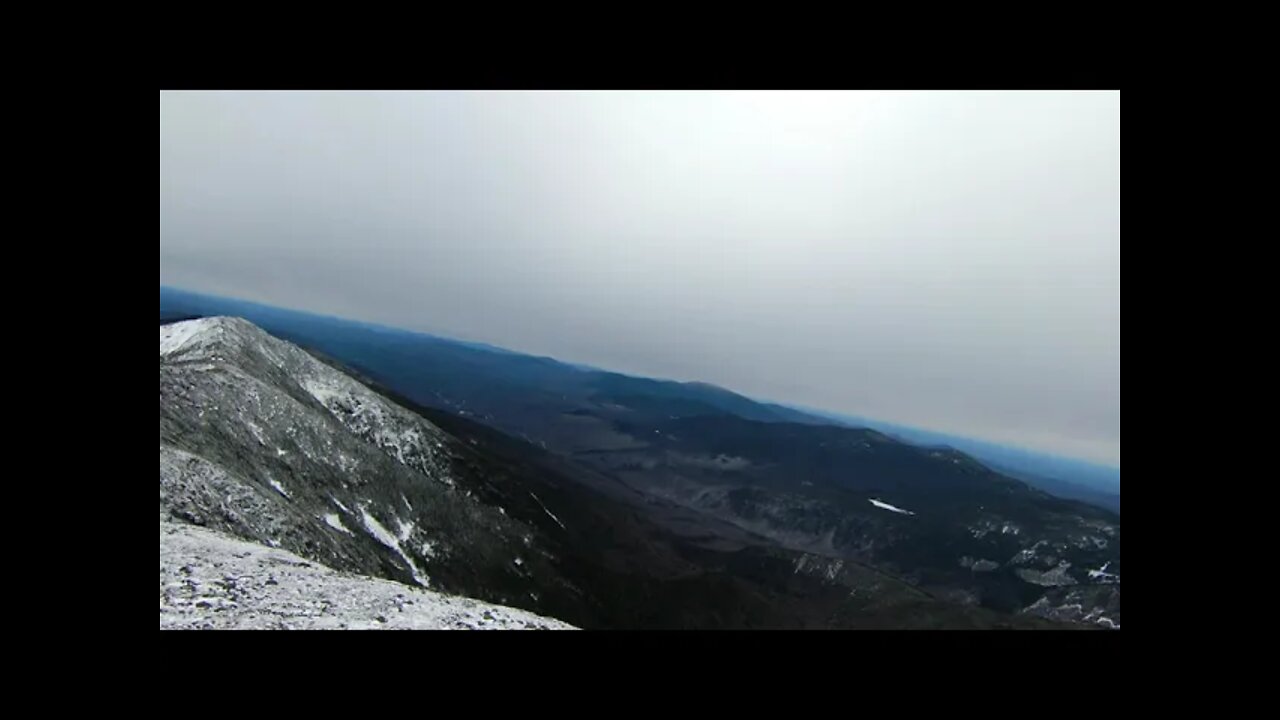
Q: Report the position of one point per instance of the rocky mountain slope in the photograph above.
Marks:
(265, 442)
(260, 441)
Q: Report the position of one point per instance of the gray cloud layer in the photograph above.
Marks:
(943, 259)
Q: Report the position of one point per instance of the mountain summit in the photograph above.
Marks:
(262, 442)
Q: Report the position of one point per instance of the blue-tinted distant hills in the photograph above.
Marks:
(1066, 477)
(543, 400)
(467, 376)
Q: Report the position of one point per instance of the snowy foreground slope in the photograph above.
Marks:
(262, 442)
(211, 581)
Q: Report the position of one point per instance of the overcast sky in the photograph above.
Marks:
(949, 260)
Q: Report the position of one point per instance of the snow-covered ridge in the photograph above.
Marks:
(262, 441)
(406, 437)
(205, 337)
(209, 581)
(173, 337)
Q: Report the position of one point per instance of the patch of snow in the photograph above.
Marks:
(257, 433)
(548, 512)
(405, 529)
(376, 529)
(1102, 574)
(334, 521)
(175, 336)
(380, 534)
(279, 488)
(891, 508)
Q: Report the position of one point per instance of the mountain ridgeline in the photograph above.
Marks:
(1095, 484)
(450, 373)
(602, 500)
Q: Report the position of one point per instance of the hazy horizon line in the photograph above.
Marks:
(806, 408)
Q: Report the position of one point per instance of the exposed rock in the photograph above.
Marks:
(1053, 578)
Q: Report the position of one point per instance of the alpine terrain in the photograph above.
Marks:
(390, 480)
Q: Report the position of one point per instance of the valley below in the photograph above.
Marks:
(539, 497)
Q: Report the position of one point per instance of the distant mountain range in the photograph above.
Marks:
(1064, 477)
(388, 354)
(596, 498)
